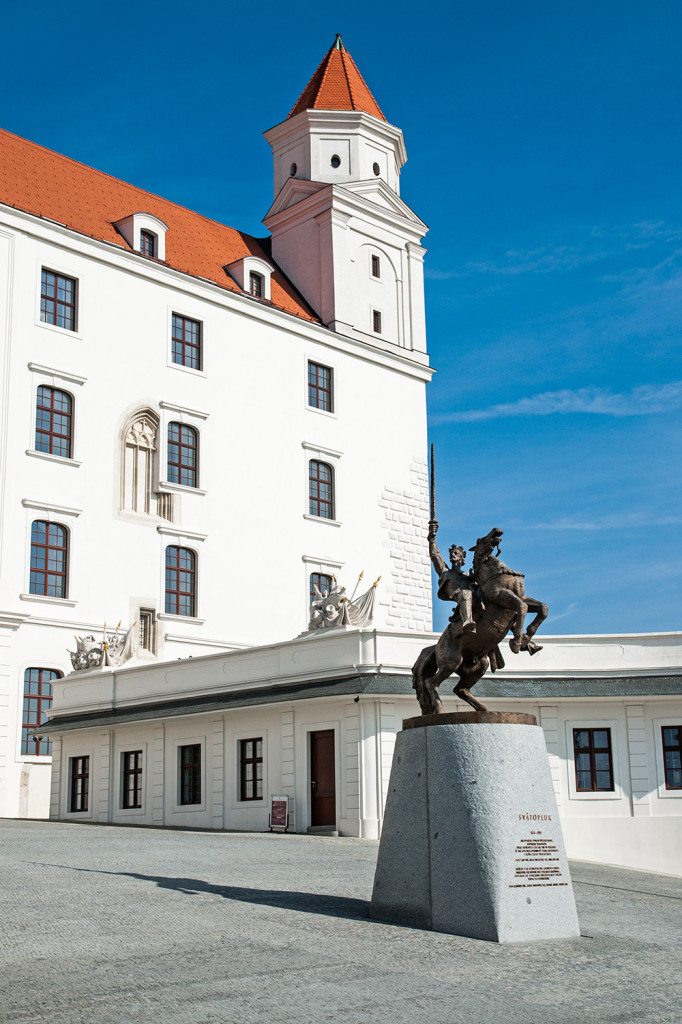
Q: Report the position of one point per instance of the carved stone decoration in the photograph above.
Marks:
(142, 433)
(110, 652)
(333, 608)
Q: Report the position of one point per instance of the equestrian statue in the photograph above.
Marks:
(489, 603)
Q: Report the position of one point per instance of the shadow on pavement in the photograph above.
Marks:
(306, 902)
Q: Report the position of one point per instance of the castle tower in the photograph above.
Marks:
(339, 229)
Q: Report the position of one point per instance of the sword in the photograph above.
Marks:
(433, 522)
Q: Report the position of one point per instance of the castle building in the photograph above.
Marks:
(183, 405)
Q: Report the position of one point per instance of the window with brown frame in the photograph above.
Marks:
(323, 581)
(37, 700)
(131, 782)
(320, 489)
(671, 737)
(376, 266)
(593, 760)
(181, 581)
(79, 783)
(147, 243)
(321, 387)
(251, 769)
(256, 284)
(186, 342)
(49, 555)
(376, 321)
(183, 454)
(58, 300)
(54, 417)
(190, 773)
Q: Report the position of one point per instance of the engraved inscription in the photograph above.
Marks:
(536, 860)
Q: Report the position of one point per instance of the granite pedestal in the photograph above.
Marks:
(471, 841)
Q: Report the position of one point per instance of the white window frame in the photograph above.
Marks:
(187, 741)
(333, 458)
(234, 739)
(185, 309)
(66, 789)
(67, 267)
(172, 413)
(322, 565)
(63, 381)
(33, 758)
(173, 537)
(51, 514)
(127, 747)
(331, 365)
(595, 723)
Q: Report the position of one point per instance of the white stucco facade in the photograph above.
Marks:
(357, 684)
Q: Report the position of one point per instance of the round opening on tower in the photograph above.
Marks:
(293, 169)
(376, 169)
(336, 161)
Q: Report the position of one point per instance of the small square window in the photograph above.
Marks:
(376, 321)
(376, 266)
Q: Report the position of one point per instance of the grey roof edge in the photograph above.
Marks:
(378, 684)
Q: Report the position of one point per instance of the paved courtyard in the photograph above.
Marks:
(121, 925)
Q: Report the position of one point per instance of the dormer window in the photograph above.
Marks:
(147, 243)
(252, 274)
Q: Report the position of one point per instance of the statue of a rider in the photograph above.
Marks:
(453, 584)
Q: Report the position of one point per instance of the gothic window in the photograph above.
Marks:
(320, 387)
(181, 581)
(58, 300)
(323, 581)
(251, 769)
(49, 554)
(186, 342)
(138, 464)
(593, 760)
(256, 284)
(183, 450)
(37, 701)
(147, 243)
(79, 784)
(671, 736)
(320, 489)
(131, 788)
(54, 417)
(190, 773)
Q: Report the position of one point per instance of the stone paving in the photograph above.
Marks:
(103, 925)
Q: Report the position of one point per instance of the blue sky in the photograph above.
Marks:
(545, 146)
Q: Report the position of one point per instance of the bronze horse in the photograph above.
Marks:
(500, 605)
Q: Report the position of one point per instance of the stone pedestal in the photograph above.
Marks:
(471, 841)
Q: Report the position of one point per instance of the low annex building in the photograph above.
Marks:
(207, 742)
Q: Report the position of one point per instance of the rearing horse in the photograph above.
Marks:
(470, 654)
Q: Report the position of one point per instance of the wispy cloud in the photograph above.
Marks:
(641, 401)
(608, 521)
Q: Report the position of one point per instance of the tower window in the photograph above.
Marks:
(37, 701)
(186, 342)
(376, 266)
(292, 170)
(256, 284)
(147, 243)
(181, 581)
(336, 161)
(53, 422)
(320, 489)
(49, 549)
(183, 449)
(321, 387)
(58, 300)
(376, 169)
(376, 321)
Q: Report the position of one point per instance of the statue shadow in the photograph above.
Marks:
(284, 899)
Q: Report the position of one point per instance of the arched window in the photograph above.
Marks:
(320, 489)
(183, 452)
(323, 581)
(138, 464)
(54, 418)
(147, 243)
(49, 559)
(37, 701)
(181, 581)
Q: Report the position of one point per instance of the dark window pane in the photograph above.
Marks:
(186, 341)
(58, 300)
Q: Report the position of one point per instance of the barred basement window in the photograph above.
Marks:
(323, 581)
(54, 421)
(37, 700)
(251, 769)
(183, 449)
(58, 300)
(186, 342)
(320, 387)
(593, 760)
(79, 783)
(671, 736)
(190, 774)
(131, 787)
(49, 553)
(320, 489)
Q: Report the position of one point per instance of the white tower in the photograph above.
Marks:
(339, 229)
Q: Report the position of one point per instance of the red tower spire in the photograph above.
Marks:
(337, 85)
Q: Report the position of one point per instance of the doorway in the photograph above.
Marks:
(322, 778)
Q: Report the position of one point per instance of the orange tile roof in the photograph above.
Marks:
(337, 85)
(42, 182)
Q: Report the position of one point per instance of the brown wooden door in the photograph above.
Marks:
(322, 779)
